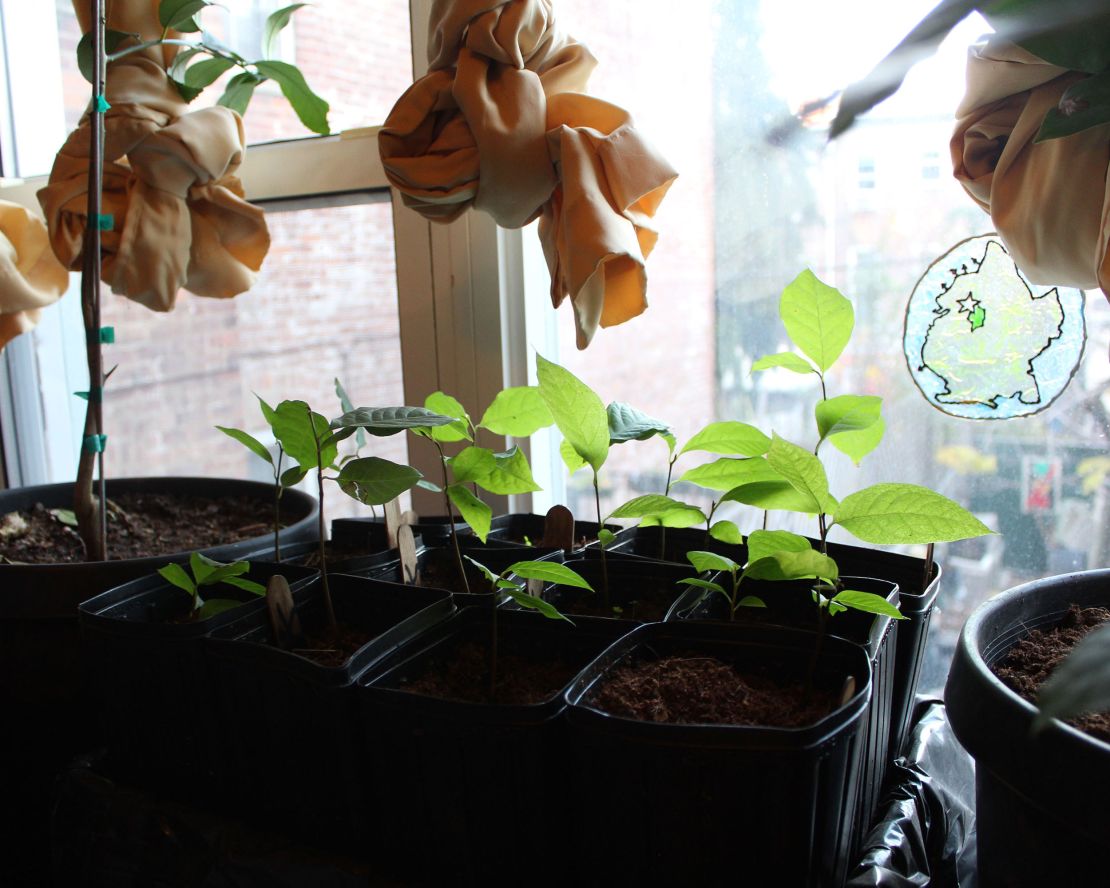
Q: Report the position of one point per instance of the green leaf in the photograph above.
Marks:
(474, 512)
(648, 504)
(803, 471)
(606, 537)
(239, 91)
(577, 411)
(486, 572)
(309, 107)
(175, 574)
(549, 572)
(770, 494)
(275, 24)
(202, 567)
(292, 476)
(206, 73)
(377, 480)
(472, 464)
(571, 458)
(793, 566)
(751, 601)
(676, 518)
(251, 443)
(112, 40)
(867, 602)
(892, 514)
(64, 516)
(384, 421)
(511, 474)
(459, 429)
(181, 61)
(180, 14)
(705, 562)
(670, 441)
(629, 424)
(726, 532)
(786, 360)
(219, 573)
(298, 435)
(847, 413)
(424, 484)
(537, 604)
(818, 319)
(856, 445)
(703, 584)
(1081, 683)
(729, 438)
(764, 543)
(519, 411)
(217, 606)
(729, 472)
(246, 585)
(1085, 104)
(1067, 33)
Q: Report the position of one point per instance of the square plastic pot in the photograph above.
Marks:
(295, 750)
(474, 793)
(683, 804)
(147, 666)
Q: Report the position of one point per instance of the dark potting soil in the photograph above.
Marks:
(651, 606)
(702, 690)
(335, 554)
(1032, 660)
(139, 525)
(463, 674)
(332, 649)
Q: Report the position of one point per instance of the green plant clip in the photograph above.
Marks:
(94, 443)
(106, 222)
(102, 104)
(107, 335)
(94, 395)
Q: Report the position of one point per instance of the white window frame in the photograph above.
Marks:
(464, 326)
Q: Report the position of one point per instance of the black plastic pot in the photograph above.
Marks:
(473, 793)
(1041, 811)
(668, 804)
(294, 750)
(43, 691)
(917, 596)
(299, 553)
(791, 604)
(148, 669)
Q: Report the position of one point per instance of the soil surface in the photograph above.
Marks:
(338, 553)
(139, 525)
(1032, 660)
(694, 689)
(464, 675)
(651, 606)
(333, 649)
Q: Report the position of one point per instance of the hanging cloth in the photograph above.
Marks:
(500, 123)
(30, 277)
(1048, 200)
(180, 218)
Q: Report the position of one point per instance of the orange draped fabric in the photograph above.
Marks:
(30, 277)
(1049, 201)
(180, 217)
(500, 123)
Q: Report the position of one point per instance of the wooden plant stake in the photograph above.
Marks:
(393, 520)
(284, 622)
(406, 545)
(558, 529)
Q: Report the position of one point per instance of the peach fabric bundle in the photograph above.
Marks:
(500, 123)
(1049, 201)
(30, 277)
(180, 220)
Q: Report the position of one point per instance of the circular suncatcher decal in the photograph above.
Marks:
(982, 342)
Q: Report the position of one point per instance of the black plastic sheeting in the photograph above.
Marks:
(927, 834)
(110, 835)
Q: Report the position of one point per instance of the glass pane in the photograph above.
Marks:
(318, 312)
(760, 199)
(356, 55)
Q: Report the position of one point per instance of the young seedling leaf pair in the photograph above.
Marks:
(207, 573)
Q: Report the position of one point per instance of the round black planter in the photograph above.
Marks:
(1040, 799)
(43, 690)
